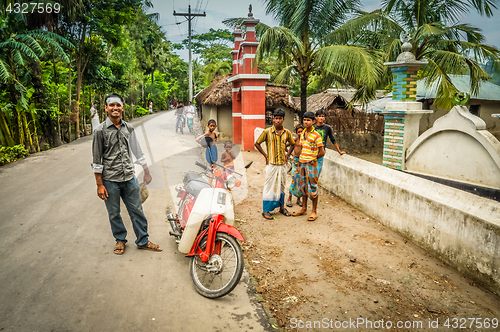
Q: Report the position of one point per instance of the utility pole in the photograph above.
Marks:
(189, 17)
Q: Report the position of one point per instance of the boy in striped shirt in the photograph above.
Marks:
(312, 149)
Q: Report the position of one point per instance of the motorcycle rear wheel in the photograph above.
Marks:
(220, 275)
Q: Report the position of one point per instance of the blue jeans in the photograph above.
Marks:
(130, 193)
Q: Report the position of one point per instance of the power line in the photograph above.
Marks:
(189, 17)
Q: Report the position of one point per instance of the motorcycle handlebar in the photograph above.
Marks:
(197, 163)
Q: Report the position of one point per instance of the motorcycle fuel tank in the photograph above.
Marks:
(209, 201)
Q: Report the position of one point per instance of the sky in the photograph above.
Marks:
(218, 10)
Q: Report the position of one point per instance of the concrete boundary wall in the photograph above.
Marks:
(460, 228)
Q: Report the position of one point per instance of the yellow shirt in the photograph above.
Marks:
(276, 144)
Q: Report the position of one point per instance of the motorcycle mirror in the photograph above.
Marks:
(249, 164)
(206, 142)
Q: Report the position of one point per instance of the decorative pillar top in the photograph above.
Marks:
(250, 11)
(404, 72)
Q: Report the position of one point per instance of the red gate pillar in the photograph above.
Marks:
(249, 88)
(236, 95)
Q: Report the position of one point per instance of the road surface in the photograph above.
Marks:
(58, 271)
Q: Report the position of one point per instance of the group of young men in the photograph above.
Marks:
(308, 149)
(114, 143)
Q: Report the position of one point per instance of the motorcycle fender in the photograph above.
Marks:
(224, 228)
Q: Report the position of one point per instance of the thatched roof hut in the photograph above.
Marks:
(219, 93)
(323, 100)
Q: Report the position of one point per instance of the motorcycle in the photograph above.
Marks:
(204, 229)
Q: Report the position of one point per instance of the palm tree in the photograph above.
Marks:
(216, 68)
(302, 42)
(436, 36)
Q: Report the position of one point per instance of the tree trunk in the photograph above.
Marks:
(4, 130)
(27, 133)
(20, 132)
(303, 95)
(84, 120)
(36, 144)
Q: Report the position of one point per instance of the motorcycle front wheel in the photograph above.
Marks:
(222, 272)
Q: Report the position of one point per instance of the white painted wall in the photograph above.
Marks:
(461, 229)
(458, 148)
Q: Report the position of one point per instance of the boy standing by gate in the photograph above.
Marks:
(276, 157)
(312, 150)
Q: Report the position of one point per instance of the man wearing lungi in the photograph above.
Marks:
(276, 158)
(312, 149)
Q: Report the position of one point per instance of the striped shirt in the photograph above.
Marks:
(275, 144)
(311, 142)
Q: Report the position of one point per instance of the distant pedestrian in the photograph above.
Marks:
(114, 143)
(190, 112)
(276, 138)
(94, 116)
(312, 150)
(150, 107)
(326, 132)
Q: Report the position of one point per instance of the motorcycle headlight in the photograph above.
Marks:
(230, 182)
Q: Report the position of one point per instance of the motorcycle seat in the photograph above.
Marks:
(194, 183)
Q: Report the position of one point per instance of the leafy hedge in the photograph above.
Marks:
(9, 154)
(141, 111)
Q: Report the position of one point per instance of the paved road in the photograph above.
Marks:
(57, 268)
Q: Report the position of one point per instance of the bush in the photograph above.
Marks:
(141, 111)
(9, 154)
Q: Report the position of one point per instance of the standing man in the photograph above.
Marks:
(150, 107)
(94, 115)
(112, 148)
(312, 150)
(189, 112)
(276, 158)
(326, 132)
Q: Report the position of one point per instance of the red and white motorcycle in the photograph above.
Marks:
(204, 229)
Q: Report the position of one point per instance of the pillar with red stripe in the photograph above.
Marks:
(249, 88)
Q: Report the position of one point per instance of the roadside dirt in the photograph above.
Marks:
(346, 265)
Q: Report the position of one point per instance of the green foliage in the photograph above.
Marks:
(212, 46)
(436, 36)
(9, 154)
(140, 111)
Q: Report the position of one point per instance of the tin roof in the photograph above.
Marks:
(487, 90)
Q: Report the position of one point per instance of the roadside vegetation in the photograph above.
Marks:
(55, 64)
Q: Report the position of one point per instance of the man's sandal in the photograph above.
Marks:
(119, 248)
(267, 215)
(285, 212)
(150, 246)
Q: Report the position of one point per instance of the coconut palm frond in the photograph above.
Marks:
(429, 30)
(484, 7)
(30, 42)
(446, 89)
(376, 22)
(45, 35)
(55, 44)
(285, 74)
(5, 75)
(318, 17)
(281, 40)
(353, 63)
(234, 22)
(471, 33)
(11, 45)
(18, 58)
